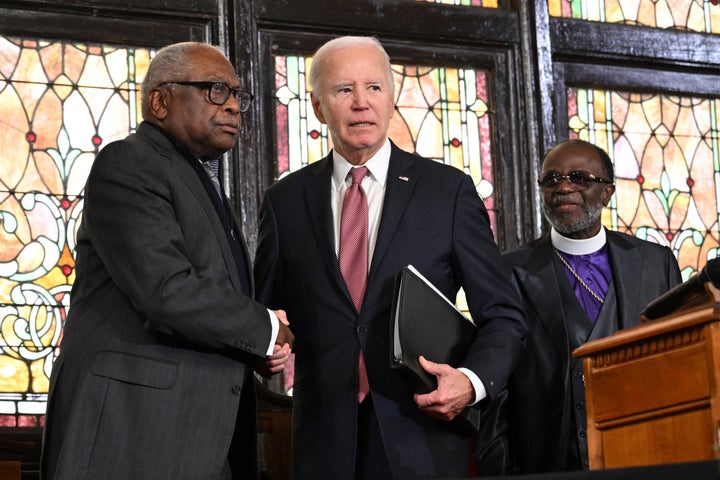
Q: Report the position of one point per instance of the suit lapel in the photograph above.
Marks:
(317, 198)
(623, 254)
(188, 175)
(400, 184)
(541, 286)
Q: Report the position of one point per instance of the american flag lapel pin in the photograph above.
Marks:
(403, 178)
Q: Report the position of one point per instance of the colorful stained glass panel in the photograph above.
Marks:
(667, 164)
(60, 102)
(691, 15)
(440, 113)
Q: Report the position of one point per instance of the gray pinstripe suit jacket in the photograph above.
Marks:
(153, 373)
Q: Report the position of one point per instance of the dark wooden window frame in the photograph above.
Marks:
(438, 34)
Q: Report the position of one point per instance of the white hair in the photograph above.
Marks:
(339, 44)
(170, 63)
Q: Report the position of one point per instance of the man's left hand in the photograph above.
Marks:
(454, 392)
(274, 363)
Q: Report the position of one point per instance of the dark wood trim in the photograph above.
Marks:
(609, 77)
(634, 46)
(155, 25)
(460, 25)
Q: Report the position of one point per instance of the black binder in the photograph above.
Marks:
(424, 322)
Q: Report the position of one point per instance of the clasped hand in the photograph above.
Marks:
(282, 349)
(453, 394)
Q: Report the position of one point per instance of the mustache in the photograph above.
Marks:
(562, 198)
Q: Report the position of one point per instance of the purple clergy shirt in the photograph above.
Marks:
(594, 269)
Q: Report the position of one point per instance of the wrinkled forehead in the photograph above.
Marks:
(354, 65)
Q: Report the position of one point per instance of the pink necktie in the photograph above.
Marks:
(354, 252)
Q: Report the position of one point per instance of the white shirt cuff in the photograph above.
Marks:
(477, 384)
(275, 330)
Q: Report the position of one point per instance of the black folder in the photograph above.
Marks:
(424, 322)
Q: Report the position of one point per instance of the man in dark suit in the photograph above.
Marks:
(154, 379)
(578, 283)
(419, 212)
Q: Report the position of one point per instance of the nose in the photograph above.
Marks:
(360, 98)
(232, 105)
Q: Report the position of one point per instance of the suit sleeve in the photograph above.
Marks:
(147, 228)
(267, 265)
(492, 300)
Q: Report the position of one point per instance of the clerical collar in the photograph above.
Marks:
(578, 247)
(377, 165)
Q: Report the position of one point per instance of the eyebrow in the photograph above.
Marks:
(350, 84)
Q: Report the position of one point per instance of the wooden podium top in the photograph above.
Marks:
(703, 308)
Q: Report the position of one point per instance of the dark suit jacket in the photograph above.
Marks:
(432, 218)
(153, 367)
(546, 391)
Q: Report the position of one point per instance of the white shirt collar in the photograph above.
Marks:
(377, 165)
(578, 247)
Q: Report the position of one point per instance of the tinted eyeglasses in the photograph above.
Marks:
(219, 92)
(579, 178)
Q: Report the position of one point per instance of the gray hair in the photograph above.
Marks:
(339, 44)
(170, 63)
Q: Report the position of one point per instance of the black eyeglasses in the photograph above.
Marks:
(580, 178)
(219, 92)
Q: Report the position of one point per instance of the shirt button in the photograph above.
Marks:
(580, 405)
(236, 389)
(361, 330)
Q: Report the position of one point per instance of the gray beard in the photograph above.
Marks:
(591, 216)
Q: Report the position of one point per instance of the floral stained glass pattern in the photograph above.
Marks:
(440, 113)
(666, 154)
(60, 102)
(690, 15)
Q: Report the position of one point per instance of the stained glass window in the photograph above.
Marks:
(60, 102)
(441, 113)
(666, 154)
(691, 15)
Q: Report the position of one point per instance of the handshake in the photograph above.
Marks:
(282, 349)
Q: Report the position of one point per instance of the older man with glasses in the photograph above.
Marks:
(578, 283)
(155, 374)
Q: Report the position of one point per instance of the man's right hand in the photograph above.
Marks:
(285, 335)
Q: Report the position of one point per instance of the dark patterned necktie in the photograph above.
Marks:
(354, 253)
(212, 167)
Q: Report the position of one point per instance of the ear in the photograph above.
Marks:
(158, 103)
(607, 194)
(317, 108)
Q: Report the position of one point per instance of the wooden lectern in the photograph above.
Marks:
(652, 390)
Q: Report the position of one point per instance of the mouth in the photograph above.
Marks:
(231, 128)
(564, 205)
(361, 124)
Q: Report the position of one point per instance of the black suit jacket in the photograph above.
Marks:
(153, 373)
(432, 218)
(546, 391)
